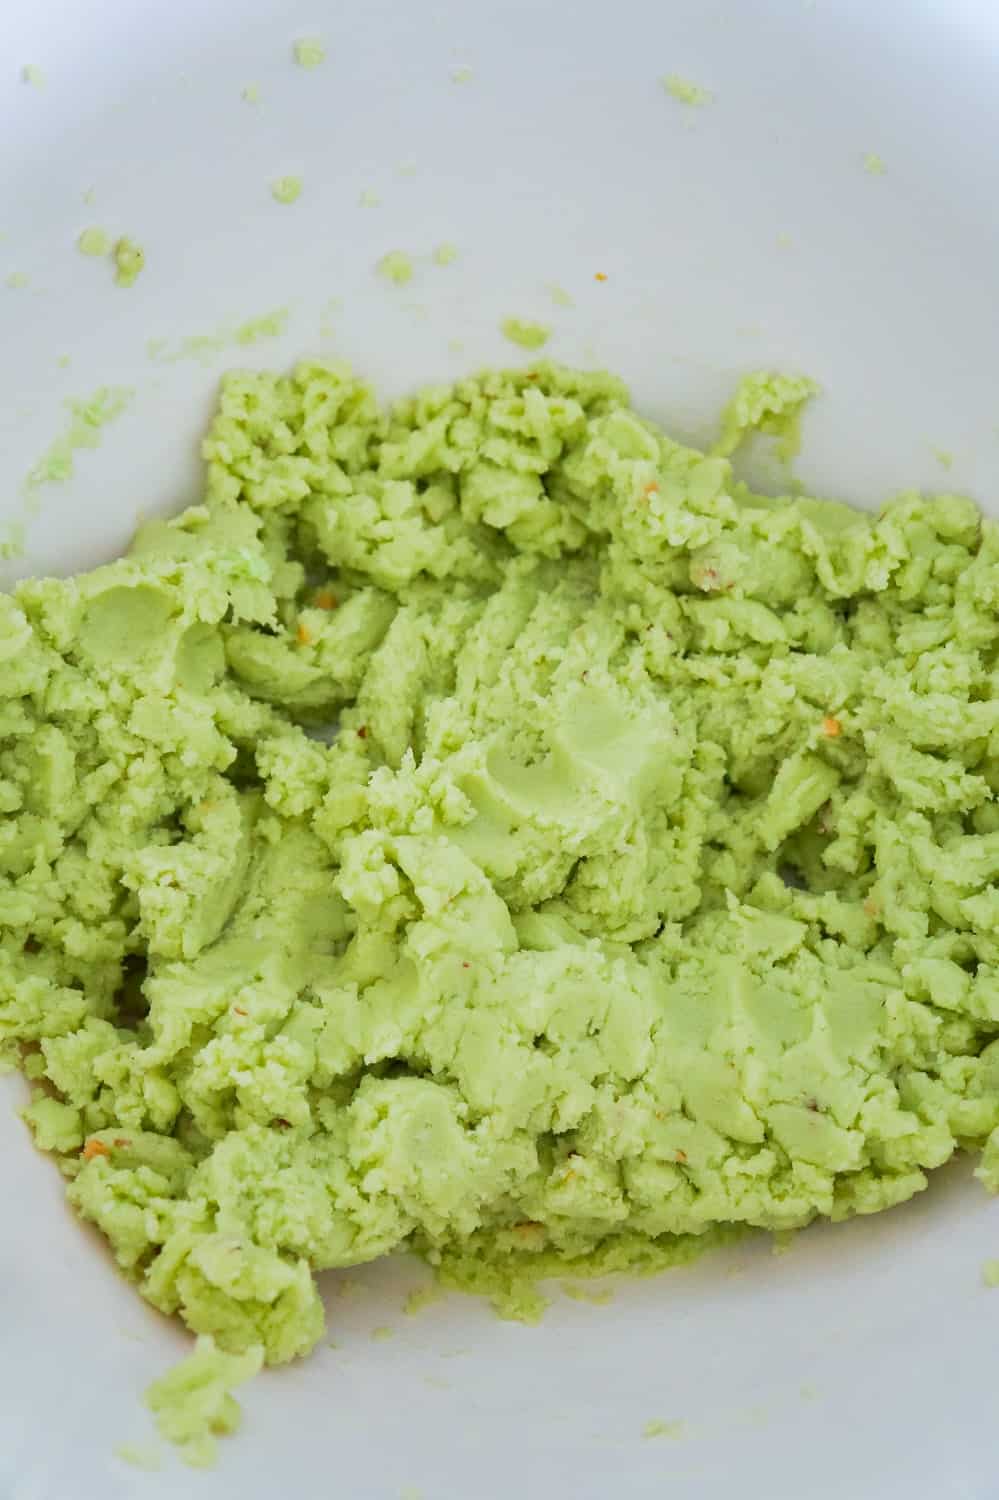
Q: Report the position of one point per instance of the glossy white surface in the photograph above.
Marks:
(747, 233)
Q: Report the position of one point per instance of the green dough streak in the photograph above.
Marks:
(645, 893)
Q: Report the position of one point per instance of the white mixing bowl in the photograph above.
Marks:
(744, 233)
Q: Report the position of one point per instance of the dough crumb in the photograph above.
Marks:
(18, 279)
(580, 1292)
(461, 74)
(144, 1456)
(559, 295)
(657, 1428)
(309, 52)
(286, 189)
(422, 1297)
(396, 266)
(990, 1273)
(685, 92)
(250, 93)
(445, 254)
(94, 241)
(528, 335)
(874, 164)
(32, 74)
(129, 259)
(382, 1334)
(192, 1404)
(369, 199)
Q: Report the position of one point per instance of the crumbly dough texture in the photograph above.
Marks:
(647, 891)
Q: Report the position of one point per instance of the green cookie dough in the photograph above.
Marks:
(646, 891)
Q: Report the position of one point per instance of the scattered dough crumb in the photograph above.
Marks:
(382, 1334)
(944, 457)
(64, 361)
(32, 73)
(87, 418)
(990, 1273)
(874, 164)
(129, 258)
(250, 93)
(18, 279)
(456, 346)
(406, 169)
(580, 1292)
(684, 91)
(559, 295)
(527, 335)
(205, 346)
(396, 266)
(445, 254)
(286, 189)
(423, 1296)
(784, 242)
(657, 1428)
(88, 196)
(368, 199)
(94, 241)
(461, 74)
(140, 1456)
(309, 52)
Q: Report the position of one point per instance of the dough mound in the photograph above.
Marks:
(644, 891)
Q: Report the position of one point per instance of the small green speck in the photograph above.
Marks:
(685, 92)
(657, 1428)
(527, 335)
(140, 1456)
(382, 1334)
(88, 196)
(396, 266)
(129, 259)
(874, 164)
(250, 93)
(32, 73)
(461, 74)
(559, 295)
(368, 199)
(406, 169)
(18, 279)
(455, 346)
(944, 457)
(94, 241)
(990, 1273)
(784, 242)
(286, 189)
(64, 361)
(445, 254)
(309, 52)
